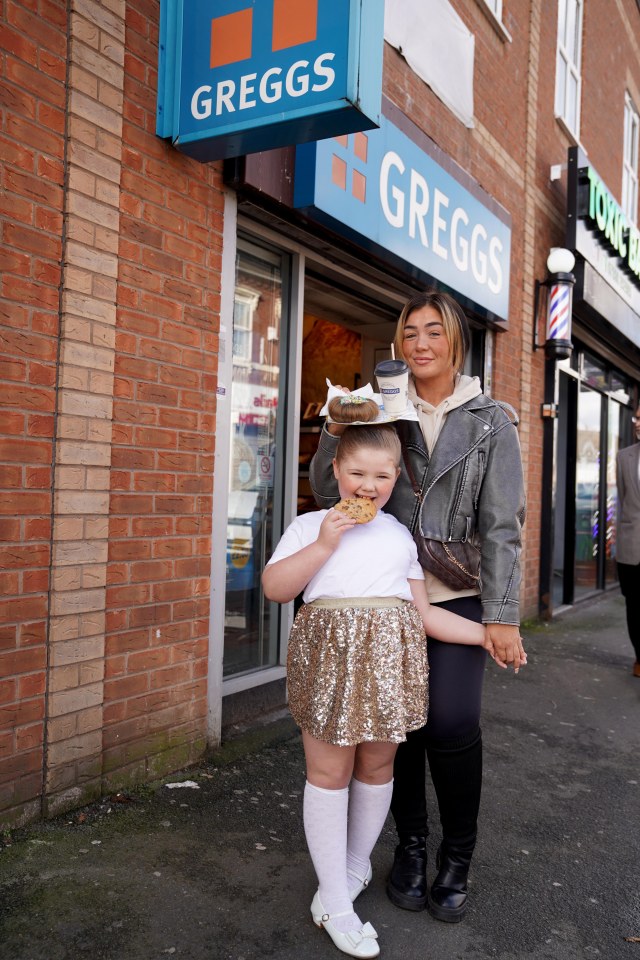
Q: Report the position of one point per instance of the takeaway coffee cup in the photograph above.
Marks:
(393, 383)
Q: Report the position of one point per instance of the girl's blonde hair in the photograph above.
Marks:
(454, 324)
(382, 438)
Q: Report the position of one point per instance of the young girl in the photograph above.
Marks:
(357, 669)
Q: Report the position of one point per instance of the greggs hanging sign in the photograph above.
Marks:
(240, 76)
(395, 193)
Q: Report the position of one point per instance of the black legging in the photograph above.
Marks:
(451, 740)
(629, 577)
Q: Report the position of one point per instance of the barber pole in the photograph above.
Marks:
(559, 312)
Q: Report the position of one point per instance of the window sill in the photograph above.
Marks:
(497, 25)
(567, 132)
(248, 681)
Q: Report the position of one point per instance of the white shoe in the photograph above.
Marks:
(355, 943)
(363, 882)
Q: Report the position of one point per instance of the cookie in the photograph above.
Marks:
(360, 509)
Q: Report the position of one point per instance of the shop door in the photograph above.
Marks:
(564, 513)
(590, 427)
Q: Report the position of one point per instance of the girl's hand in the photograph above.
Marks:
(333, 528)
(488, 646)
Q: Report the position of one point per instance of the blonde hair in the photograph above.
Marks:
(382, 438)
(454, 324)
(350, 408)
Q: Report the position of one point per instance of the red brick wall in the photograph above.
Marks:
(32, 118)
(163, 435)
(611, 65)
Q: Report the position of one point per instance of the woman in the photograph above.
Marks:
(461, 481)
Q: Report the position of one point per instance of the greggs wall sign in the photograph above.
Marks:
(239, 76)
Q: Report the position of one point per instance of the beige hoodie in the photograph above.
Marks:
(431, 422)
(432, 418)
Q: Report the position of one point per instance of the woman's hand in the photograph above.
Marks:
(504, 644)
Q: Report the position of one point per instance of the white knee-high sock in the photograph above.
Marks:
(368, 808)
(325, 827)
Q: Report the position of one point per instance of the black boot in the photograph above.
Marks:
(448, 894)
(407, 883)
(456, 771)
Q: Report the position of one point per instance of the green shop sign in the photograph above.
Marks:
(610, 224)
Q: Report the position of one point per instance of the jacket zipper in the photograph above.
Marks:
(456, 503)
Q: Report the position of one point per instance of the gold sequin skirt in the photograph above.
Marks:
(358, 673)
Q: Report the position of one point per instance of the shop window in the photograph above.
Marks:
(587, 490)
(620, 388)
(630, 160)
(568, 65)
(611, 501)
(243, 308)
(256, 395)
(594, 372)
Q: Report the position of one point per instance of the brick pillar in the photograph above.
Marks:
(529, 239)
(73, 763)
(533, 200)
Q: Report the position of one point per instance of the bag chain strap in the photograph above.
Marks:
(453, 559)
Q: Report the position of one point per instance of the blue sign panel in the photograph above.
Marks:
(386, 192)
(239, 76)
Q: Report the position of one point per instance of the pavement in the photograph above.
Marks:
(220, 869)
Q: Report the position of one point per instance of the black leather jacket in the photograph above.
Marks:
(471, 488)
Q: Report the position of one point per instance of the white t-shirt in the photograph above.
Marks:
(372, 559)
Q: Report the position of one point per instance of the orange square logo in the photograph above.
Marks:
(360, 145)
(294, 22)
(339, 172)
(359, 186)
(231, 38)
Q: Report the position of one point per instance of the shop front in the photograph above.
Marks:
(323, 244)
(597, 392)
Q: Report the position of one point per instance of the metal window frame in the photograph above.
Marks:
(631, 145)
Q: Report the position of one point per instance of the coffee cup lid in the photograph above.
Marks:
(390, 368)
